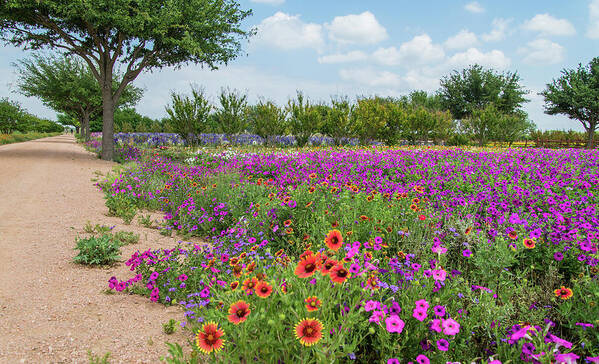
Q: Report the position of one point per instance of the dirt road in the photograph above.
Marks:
(52, 310)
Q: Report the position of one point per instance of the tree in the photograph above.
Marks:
(128, 34)
(188, 116)
(10, 115)
(511, 128)
(304, 119)
(576, 95)
(475, 87)
(230, 117)
(67, 85)
(266, 120)
(338, 121)
(482, 123)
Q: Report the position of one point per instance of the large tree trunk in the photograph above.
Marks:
(591, 135)
(107, 119)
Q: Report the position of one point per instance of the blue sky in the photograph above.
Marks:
(387, 48)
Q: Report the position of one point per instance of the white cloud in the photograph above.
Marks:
(353, 56)
(289, 32)
(474, 7)
(542, 51)
(269, 2)
(548, 25)
(422, 79)
(358, 29)
(370, 77)
(499, 30)
(493, 59)
(419, 50)
(464, 39)
(593, 29)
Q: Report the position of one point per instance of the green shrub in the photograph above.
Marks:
(101, 250)
(122, 207)
(125, 238)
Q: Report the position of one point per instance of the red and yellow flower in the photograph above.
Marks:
(529, 243)
(250, 284)
(312, 303)
(239, 312)
(263, 289)
(334, 240)
(339, 274)
(563, 293)
(209, 338)
(308, 331)
(307, 266)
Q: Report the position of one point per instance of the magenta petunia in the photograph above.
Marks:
(394, 324)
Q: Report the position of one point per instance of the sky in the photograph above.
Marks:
(386, 48)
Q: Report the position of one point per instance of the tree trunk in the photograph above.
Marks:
(591, 135)
(107, 119)
(85, 126)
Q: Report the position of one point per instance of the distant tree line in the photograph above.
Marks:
(14, 118)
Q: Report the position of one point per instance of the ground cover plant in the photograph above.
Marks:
(374, 254)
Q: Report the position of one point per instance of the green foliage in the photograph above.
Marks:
(230, 116)
(18, 137)
(304, 119)
(338, 121)
(125, 238)
(122, 207)
(67, 85)
(102, 250)
(377, 118)
(266, 120)
(145, 220)
(170, 327)
(177, 356)
(129, 35)
(96, 359)
(189, 115)
(576, 95)
(129, 118)
(475, 87)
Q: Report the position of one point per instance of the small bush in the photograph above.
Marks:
(122, 207)
(170, 327)
(101, 250)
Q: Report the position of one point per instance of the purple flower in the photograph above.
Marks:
(442, 344)
(394, 324)
(439, 311)
(558, 256)
(466, 253)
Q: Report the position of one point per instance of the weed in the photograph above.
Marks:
(170, 327)
(145, 220)
(177, 356)
(125, 238)
(101, 250)
(122, 207)
(96, 359)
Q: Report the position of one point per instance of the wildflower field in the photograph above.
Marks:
(370, 255)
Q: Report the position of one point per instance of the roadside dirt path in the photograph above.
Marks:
(52, 310)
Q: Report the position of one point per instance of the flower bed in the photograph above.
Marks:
(377, 254)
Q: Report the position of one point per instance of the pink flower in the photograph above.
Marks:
(439, 249)
(442, 344)
(568, 358)
(394, 324)
(436, 325)
(422, 305)
(560, 341)
(376, 316)
(450, 327)
(370, 305)
(439, 311)
(495, 361)
(439, 275)
(518, 334)
(419, 315)
(422, 359)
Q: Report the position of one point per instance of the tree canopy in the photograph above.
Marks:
(66, 85)
(475, 87)
(576, 95)
(130, 35)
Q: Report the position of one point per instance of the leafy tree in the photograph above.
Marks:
(266, 120)
(128, 34)
(482, 123)
(230, 116)
(378, 118)
(135, 120)
(10, 115)
(188, 116)
(475, 87)
(67, 85)
(576, 95)
(304, 119)
(338, 122)
(512, 127)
